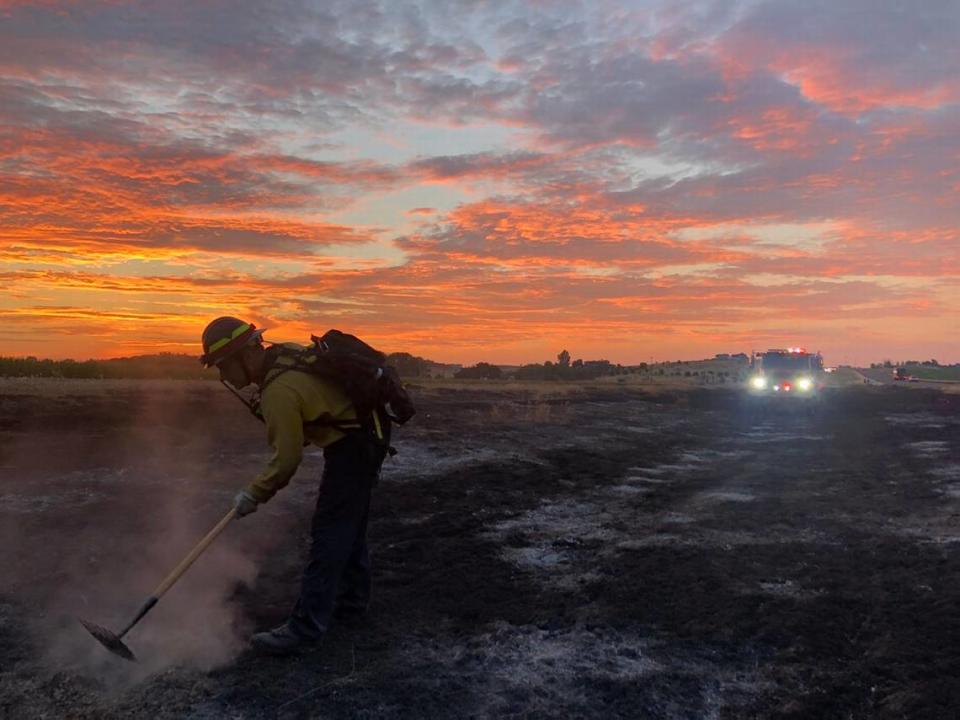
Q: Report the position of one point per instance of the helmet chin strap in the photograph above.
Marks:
(248, 376)
(252, 363)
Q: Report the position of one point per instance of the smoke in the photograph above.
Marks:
(102, 524)
(195, 624)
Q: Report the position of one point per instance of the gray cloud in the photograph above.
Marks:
(636, 122)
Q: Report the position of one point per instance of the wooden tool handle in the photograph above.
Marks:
(180, 569)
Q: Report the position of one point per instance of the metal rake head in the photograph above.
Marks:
(110, 640)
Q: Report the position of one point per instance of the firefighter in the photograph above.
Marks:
(299, 407)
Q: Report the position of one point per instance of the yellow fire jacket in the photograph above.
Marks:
(289, 400)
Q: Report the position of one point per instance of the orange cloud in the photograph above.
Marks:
(584, 194)
(778, 128)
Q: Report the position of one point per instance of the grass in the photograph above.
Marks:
(928, 372)
(843, 376)
(546, 389)
(71, 387)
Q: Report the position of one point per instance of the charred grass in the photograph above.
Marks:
(596, 552)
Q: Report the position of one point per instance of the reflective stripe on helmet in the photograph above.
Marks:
(240, 330)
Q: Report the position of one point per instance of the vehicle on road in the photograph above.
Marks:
(901, 374)
(791, 372)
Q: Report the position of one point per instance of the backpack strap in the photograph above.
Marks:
(327, 420)
(270, 366)
(372, 425)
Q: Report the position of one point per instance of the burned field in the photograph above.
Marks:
(603, 552)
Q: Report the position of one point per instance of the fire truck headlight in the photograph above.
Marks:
(805, 384)
(758, 383)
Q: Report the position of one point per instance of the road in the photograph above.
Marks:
(884, 376)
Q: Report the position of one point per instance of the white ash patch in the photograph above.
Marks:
(675, 517)
(686, 462)
(724, 539)
(629, 489)
(783, 588)
(700, 457)
(531, 672)
(536, 557)
(929, 448)
(573, 581)
(763, 436)
(647, 471)
(656, 424)
(570, 521)
(26, 504)
(94, 476)
(726, 496)
(550, 537)
(647, 479)
(950, 471)
(923, 420)
(548, 669)
(937, 536)
(652, 541)
(73, 489)
(547, 538)
(665, 469)
(415, 461)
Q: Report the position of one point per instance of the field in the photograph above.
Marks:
(617, 550)
(927, 372)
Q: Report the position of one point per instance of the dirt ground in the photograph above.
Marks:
(602, 553)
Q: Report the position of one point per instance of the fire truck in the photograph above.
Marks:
(789, 372)
(901, 374)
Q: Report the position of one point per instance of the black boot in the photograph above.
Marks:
(281, 641)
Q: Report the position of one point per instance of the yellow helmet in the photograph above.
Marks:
(226, 336)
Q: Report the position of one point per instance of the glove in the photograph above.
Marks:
(245, 503)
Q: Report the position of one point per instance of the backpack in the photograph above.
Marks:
(373, 386)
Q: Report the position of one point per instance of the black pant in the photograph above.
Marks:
(338, 571)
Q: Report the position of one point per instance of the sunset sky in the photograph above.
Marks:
(483, 180)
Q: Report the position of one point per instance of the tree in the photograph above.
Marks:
(563, 359)
(409, 365)
(480, 371)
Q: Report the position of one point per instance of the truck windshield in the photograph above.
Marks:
(786, 363)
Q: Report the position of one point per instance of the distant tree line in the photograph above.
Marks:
(566, 369)
(164, 365)
(410, 365)
(902, 363)
(180, 366)
(576, 370)
(480, 371)
(175, 366)
(563, 369)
